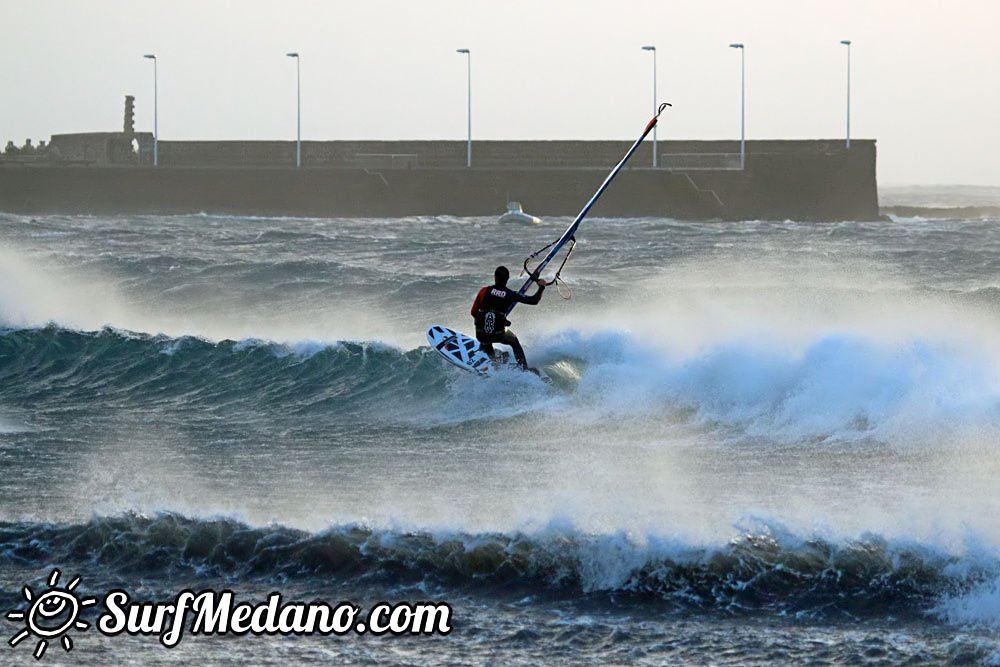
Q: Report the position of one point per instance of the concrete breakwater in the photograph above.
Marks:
(803, 180)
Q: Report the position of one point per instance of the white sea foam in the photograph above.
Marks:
(839, 386)
(978, 607)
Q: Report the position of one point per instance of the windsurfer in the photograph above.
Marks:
(490, 312)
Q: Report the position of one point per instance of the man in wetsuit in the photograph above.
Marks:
(490, 311)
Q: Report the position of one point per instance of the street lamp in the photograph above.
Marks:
(653, 49)
(847, 43)
(156, 131)
(298, 113)
(468, 60)
(743, 123)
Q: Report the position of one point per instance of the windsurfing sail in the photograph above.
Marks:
(568, 236)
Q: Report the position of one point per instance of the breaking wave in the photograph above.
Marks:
(837, 387)
(760, 571)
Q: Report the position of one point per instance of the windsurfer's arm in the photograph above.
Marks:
(479, 300)
(534, 298)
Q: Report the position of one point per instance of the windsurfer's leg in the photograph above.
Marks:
(510, 339)
(486, 346)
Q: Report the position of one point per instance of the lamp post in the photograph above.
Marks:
(468, 60)
(847, 43)
(743, 123)
(653, 49)
(156, 104)
(298, 112)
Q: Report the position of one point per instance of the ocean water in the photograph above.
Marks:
(766, 442)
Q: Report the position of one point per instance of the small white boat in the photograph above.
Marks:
(516, 214)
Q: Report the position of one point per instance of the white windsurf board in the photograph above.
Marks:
(465, 351)
(459, 349)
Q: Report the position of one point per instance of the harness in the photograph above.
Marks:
(491, 318)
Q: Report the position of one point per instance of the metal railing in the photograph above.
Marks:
(386, 160)
(697, 161)
(668, 161)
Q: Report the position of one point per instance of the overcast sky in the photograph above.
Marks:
(925, 75)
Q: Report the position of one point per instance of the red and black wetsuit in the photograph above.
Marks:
(490, 311)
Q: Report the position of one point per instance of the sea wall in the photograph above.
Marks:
(804, 180)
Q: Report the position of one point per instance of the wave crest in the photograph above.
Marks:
(756, 572)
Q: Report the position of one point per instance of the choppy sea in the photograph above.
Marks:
(766, 442)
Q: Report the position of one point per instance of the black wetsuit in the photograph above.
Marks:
(490, 310)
